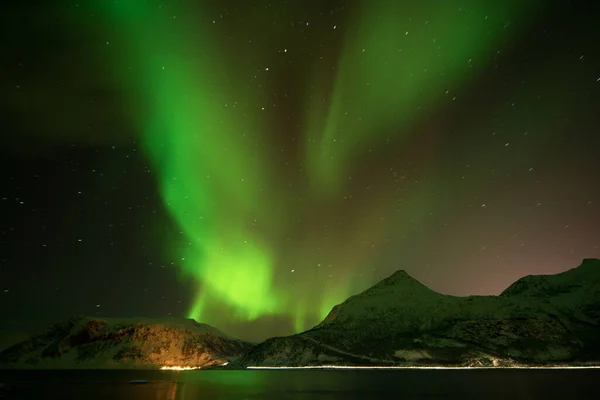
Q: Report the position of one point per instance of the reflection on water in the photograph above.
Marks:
(307, 384)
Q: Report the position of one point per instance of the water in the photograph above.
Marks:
(307, 384)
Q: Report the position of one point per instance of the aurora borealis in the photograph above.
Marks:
(250, 165)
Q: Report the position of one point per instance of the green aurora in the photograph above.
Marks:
(207, 132)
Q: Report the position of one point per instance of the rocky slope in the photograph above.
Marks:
(124, 343)
(552, 319)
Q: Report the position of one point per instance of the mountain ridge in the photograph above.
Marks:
(400, 321)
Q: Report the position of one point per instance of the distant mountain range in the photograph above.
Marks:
(538, 320)
(543, 319)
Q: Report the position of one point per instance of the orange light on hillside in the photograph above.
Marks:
(177, 368)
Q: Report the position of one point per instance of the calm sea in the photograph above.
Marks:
(302, 384)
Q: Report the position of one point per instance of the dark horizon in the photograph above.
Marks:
(252, 165)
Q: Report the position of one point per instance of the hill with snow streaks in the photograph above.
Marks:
(538, 320)
(123, 343)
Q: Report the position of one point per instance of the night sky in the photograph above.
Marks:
(250, 164)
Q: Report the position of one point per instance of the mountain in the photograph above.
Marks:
(8, 338)
(83, 342)
(541, 320)
(538, 320)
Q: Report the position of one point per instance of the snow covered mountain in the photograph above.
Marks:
(123, 343)
(538, 320)
(553, 319)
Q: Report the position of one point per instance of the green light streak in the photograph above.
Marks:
(399, 60)
(212, 178)
(202, 129)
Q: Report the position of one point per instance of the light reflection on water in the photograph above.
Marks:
(300, 384)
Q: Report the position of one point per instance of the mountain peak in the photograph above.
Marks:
(396, 277)
(397, 289)
(401, 273)
(398, 280)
